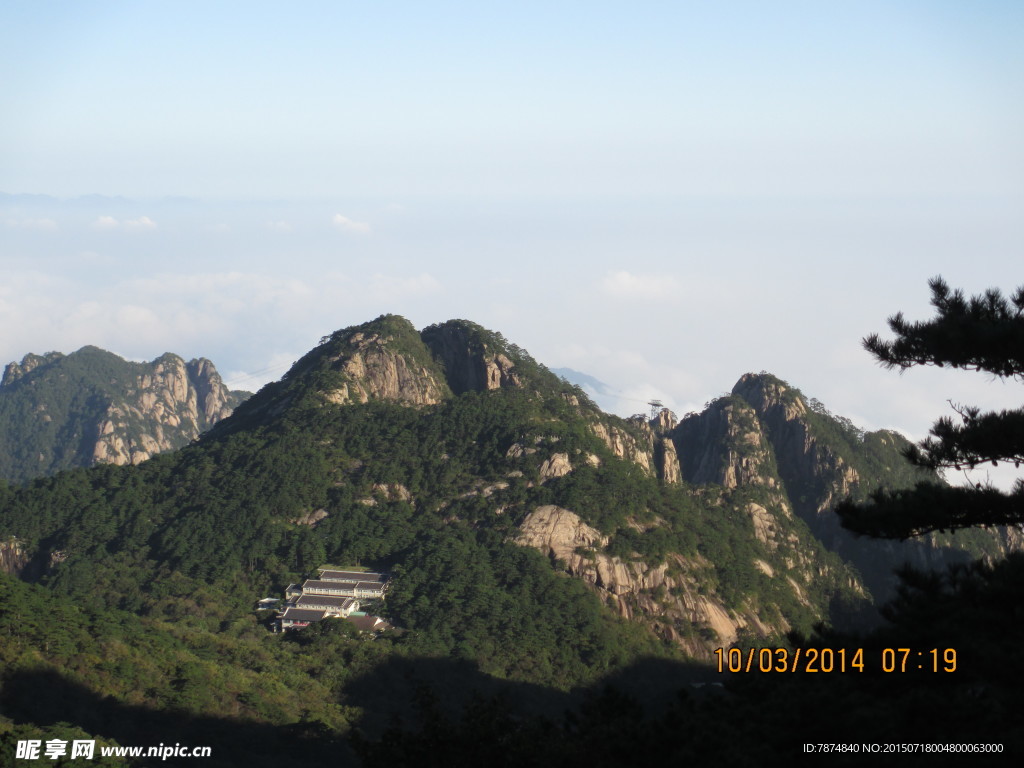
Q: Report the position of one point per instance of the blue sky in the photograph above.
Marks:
(145, 99)
(663, 195)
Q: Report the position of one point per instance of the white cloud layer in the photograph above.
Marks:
(345, 224)
(105, 223)
(623, 284)
(109, 223)
(141, 223)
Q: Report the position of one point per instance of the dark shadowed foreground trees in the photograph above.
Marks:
(983, 333)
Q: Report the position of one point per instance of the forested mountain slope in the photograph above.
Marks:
(63, 411)
(530, 537)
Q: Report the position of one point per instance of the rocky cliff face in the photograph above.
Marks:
(58, 412)
(765, 434)
(13, 557)
(170, 405)
(625, 445)
(666, 461)
(470, 364)
(215, 401)
(646, 443)
(725, 445)
(665, 457)
(671, 598)
(804, 460)
(372, 368)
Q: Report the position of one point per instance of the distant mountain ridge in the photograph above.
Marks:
(584, 380)
(62, 411)
(532, 539)
(706, 530)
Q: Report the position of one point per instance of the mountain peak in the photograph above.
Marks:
(384, 359)
(765, 391)
(60, 411)
(15, 371)
(388, 359)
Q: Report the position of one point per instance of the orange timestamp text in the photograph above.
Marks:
(826, 660)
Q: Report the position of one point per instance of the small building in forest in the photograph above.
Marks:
(335, 606)
(366, 590)
(336, 594)
(331, 574)
(296, 618)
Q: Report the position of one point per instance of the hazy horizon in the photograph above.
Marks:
(661, 197)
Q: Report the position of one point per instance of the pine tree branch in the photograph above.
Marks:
(983, 333)
(979, 438)
(930, 507)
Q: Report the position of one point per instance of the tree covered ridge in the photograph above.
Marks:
(186, 541)
(225, 509)
(227, 506)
